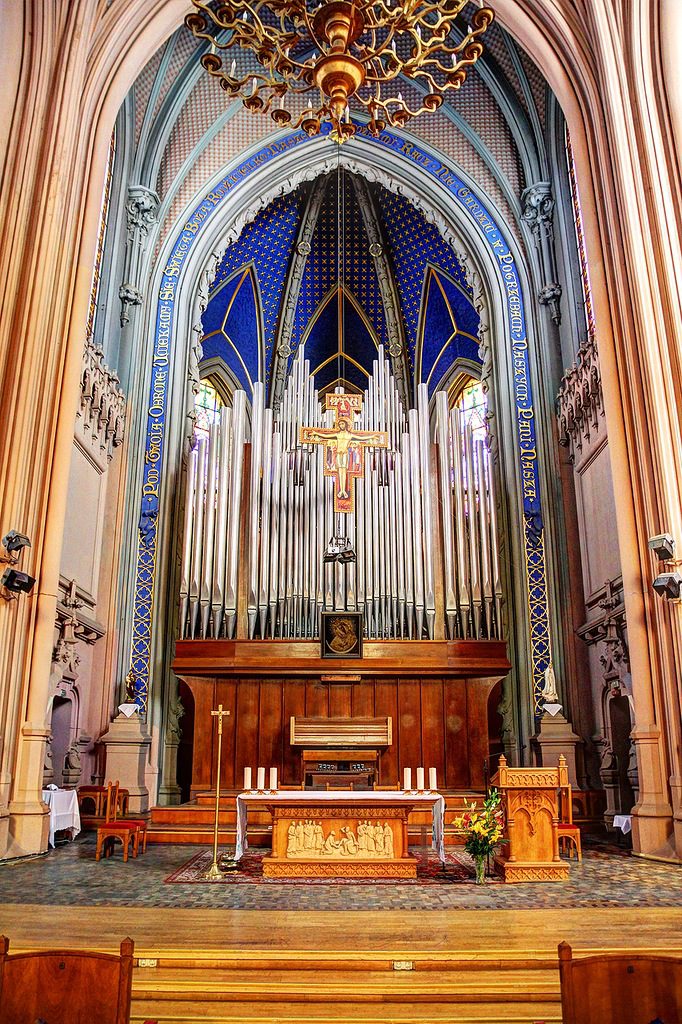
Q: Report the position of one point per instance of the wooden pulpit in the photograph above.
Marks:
(530, 798)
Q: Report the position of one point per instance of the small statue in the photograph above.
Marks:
(549, 691)
(72, 759)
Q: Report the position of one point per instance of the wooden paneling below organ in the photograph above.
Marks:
(435, 693)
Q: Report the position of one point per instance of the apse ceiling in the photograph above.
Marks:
(401, 287)
(371, 271)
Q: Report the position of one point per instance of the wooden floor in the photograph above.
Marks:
(233, 967)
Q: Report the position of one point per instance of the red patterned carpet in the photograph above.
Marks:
(457, 868)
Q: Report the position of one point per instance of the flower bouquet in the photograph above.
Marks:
(483, 830)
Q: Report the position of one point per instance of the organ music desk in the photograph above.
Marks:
(347, 751)
(323, 834)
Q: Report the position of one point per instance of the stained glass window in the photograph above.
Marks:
(473, 407)
(207, 406)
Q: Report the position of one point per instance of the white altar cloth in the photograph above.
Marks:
(355, 796)
(623, 822)
(64, 813)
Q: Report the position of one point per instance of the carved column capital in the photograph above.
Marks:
(538, 213)
(141, 209)
(142, 205)
(538, 205)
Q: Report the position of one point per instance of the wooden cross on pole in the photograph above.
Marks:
(344, 447)
(220, 714)
(213, 872)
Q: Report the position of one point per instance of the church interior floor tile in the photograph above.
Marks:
(69, 875)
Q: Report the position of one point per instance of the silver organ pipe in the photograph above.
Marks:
(257, 436)
(198, 529)
(210, 552)
(291, 521)
(446, 497)
(187, 539)
(473, 592)
(209, 529)
(234, 511)
(222, 500)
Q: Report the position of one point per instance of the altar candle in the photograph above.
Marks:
(247, 778)
(260, 776)
(420, 780)
(433, 781)
(407, 779)
(273, 780)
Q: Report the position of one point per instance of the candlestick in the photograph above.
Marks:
(420, 780)
(407, 779)
(273, 780)
(247, 779)
(433, 781)
(260, 780)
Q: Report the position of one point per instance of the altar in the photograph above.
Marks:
(340, 833)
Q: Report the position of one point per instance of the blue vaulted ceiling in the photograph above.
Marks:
(341, 324)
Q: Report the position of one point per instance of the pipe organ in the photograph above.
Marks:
(414, 532)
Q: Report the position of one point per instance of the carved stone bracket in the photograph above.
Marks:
(102, 402)
(580, 403)
(141, 209)
(538, 213)
(129, 296)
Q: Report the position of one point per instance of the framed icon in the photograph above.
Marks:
(341, 635)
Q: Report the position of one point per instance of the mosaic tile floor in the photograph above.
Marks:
(69, 875)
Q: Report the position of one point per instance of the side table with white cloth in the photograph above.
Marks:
(64, 814)
(623, 822)
(331, 833)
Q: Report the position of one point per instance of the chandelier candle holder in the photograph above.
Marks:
(338, 52)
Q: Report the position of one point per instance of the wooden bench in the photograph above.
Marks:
(620, 988)
(65, 987)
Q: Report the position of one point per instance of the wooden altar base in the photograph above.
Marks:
(282, 867)
(530, 871)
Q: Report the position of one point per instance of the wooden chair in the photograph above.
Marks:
(568, 833)
(620, 988)
(113, 828)
(65, 987)
(92, 801)
(142, 823)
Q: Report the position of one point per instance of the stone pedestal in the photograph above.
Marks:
(554, 738)
(127, 745)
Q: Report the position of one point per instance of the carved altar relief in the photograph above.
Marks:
(367, 840)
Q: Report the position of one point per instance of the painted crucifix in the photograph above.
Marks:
(344, 447)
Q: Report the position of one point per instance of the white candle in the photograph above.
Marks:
(260, 775)
(420, 780)
(273, 779)
(247, 778)
(433, 780)
(407, 779)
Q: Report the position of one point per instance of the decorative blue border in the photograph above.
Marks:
(156, 420)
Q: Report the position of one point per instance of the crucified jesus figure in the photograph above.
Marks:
(344, 447)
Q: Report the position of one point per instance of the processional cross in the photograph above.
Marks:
(214, 873)
(344, 447)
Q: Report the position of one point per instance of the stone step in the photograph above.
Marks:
(365, 991)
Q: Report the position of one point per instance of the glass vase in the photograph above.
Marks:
(479, 862)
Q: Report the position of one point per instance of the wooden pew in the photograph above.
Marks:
(65, 987)
(620, 988)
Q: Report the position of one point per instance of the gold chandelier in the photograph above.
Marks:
(339, 50)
